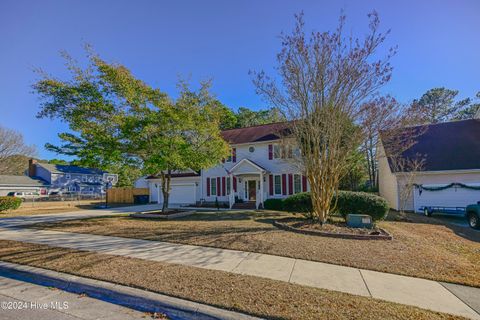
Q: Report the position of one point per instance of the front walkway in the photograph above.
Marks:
(422, 293)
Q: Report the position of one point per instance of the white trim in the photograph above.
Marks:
(465, 171)
(250, 162)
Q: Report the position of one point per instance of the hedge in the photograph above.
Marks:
(362, 203)
(274, 204)
(347, 202)
(9, 203)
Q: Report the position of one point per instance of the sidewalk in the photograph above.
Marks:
(418, 292)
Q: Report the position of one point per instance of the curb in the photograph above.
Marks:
(133, 298)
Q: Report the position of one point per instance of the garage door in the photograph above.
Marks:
(452, 197)
(182, 193)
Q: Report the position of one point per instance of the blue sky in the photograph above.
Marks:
(159, 41)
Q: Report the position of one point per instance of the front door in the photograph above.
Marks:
(252, 190)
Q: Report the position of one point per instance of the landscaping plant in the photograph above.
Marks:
(325, 77)
(9, 203)
(347, 202)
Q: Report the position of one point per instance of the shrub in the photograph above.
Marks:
(347, 202)
(361, 203)
(300, 202)
(274, 204)
(9, 203)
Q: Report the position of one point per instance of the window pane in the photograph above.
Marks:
(278, 184)
(297, 181)
(276, 151)
(213, 186)
(228, 185)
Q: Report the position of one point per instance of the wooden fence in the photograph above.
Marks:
(124, 195)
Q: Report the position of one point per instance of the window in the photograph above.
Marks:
(276, 151)
(297, 183)
(84, 178)
(278, 184)
(228, 186)
(213, 186)
(251, 149)
(67, 176)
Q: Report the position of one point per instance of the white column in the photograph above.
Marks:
(261, 188)
(232, 194)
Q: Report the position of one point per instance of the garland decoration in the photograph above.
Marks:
(448, 186)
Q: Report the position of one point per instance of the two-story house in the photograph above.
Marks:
(68, 178)
(261, 166)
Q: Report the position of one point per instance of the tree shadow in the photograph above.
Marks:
(457, 224)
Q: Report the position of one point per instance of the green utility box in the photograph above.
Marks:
(359, 221)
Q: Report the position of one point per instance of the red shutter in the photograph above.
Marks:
(290, 183)
(234, 184)
(284, 184)
(223, 186)
(304, 184)
(270, 152)
(270, 184)
(208, 187)
(234, 154)
(218, 186)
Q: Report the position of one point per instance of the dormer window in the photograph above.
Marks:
(67, 176)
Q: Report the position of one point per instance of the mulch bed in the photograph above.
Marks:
(332, 229)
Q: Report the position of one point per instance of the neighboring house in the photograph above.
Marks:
(10, 183)
(68, 178)
(141, 182)
(452, 164)
(259, 167)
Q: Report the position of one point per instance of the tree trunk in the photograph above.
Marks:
(166, 178)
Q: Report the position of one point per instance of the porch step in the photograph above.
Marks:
(244, 205)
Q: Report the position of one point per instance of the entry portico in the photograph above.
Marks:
(251, 180)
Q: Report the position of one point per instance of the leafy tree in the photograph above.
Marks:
(58, 161)
(247, 117)
(184, 134)
(437, 105)
(118, 122)
(324, 79)
(470, 111)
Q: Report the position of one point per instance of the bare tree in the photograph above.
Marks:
(325, 78)
(379, 115)
(12, 149)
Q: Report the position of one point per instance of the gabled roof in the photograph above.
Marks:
(8, 180)
(448, 146)
(264, 132)
(58, 168)
(249, 162)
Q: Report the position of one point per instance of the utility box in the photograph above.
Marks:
(359, 221)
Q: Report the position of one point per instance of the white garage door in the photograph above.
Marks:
(182, 193)
(452, 197)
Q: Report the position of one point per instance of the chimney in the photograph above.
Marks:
(32, 168)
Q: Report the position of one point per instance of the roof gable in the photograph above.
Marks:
(265, 132)
(448, 146)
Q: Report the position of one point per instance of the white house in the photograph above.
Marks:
(450, 176)
(259, 167)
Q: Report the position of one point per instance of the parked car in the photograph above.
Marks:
(61, 195)
(24, 195)
(473, 215)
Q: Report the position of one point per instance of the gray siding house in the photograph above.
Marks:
(10, 183)
(68, 178)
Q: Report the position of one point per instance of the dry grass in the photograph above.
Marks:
(47, 207)
(247, 294)
(426, 250)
